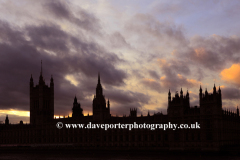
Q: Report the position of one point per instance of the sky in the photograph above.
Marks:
(141, 48)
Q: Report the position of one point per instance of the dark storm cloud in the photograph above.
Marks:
(177, 66)
(154, 74)
(212, 52)
(62, 10)
(126, 97)
(10, 34)
(154, 85)
(124, 100)
(23, 49)
(230, 93)
(172, 76)
(48, 37)
(59, 9)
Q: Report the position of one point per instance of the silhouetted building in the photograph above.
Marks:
(76, 110)
(101, 111)
(218, 127)
(7, 120)
(41, 101)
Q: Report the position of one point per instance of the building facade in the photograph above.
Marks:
(218, 128)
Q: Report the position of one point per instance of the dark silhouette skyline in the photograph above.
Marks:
(139, 57)
(214, 132)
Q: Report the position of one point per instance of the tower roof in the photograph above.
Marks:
(41, 77)
(99, 78)
(31, 79)
(99, 86)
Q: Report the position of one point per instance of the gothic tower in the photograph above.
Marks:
(211, 103)
(178, 104)
(211, 115)
(76, 110)
(100, 110)
(41, 101)
(7, 120)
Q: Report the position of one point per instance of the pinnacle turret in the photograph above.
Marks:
(99, 86)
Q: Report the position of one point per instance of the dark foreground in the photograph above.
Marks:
(28, 153)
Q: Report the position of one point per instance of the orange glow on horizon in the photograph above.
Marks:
(15, 112)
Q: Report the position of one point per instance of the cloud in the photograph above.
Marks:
(230, 93)
(117, 40)
(63, 10)
(23, 49)
(153, 74)
(152, 84)
(126, 97)
(172, 77)
(149, 37)
(121, 100)
(75, 43)
(200, 51)
(232, 74)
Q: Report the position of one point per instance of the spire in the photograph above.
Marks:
(169, 96)
(31, 79)
(6, 120)
(237, 111)
(99, 78)
(108, 104)
(148, 113)
(181, 93)
(214, 88)
(41, 67)
(41, 77)
(75, 99)
(99, 87)
(219, 90)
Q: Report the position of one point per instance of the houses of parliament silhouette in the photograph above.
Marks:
(218, 128)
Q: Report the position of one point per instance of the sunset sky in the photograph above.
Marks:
(142, 48)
